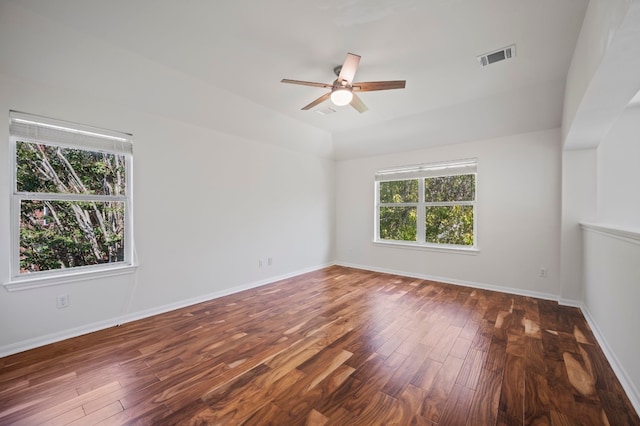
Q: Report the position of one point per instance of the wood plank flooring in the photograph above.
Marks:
(338, 346)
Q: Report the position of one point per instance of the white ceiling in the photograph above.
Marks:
(246, 47)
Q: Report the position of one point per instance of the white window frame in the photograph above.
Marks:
(36, 129)
(420, 172)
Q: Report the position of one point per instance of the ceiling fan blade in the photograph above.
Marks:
(357, 103)
(317, 101)
(370, 86)
(349, 67)
(306, 83)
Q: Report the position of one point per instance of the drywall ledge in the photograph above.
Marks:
(622, 233)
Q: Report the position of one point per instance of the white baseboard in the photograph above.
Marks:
(621, 374)
(35, 342)
(570, 302)
(510, 290)
(25, 345)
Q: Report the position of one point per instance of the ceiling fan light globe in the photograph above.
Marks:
(341, 97)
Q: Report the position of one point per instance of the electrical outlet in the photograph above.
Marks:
(270, 261)
(543, 272)
(62, 301)
(260, 263)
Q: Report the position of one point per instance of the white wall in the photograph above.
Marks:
(608, 31)
(38, 49)
(208, 205)
(219, 182)
(518, 192)
(579, 204)
(618, 165)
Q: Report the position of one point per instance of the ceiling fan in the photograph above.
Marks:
(343, 88)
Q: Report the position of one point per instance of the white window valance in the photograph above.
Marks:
(33, 128)
(450, 168)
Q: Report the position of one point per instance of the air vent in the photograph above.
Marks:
(497, 55)
(326, 111)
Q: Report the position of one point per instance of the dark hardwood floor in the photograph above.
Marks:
(338, 346)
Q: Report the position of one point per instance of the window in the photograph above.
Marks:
(71, 202)
(431, 205)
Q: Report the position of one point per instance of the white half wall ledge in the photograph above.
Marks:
(39, 341)
(630, 235)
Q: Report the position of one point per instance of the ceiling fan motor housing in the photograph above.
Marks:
(344, 84)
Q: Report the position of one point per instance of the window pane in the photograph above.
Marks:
(399, 191)
(52, 169)
(398, 223)
(449, 225)
(450, 188)
(64, 234)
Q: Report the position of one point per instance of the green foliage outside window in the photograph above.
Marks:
(399, 191)
(450, 188)
(446, 210)
(449, 225)
(399, 223)
(57, 234)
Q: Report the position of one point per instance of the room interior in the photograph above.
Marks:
(229, 171)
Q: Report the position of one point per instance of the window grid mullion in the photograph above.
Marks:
(15, 212)
(449, 203)
(15, 235)
(398, 204)
(421, 214)
(56, 196)
(129, 248)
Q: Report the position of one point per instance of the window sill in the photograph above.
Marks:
(26, 283)
(441, 249)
